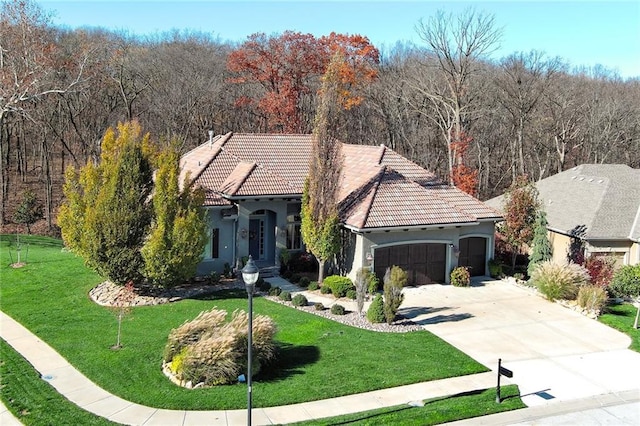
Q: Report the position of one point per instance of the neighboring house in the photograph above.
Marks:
(392, 211)
(594, 208)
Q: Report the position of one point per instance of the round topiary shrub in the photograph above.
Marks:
(318, 306)
(304, 282)
(337, 309)
(339, 285)
(375, 313)
(295, 278)
(351, 294)
(460, 277)
(286, 296)
(299, 300)
(313, 285)
(275, 291)
(325, 289)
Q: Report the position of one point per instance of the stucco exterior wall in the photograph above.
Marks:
(226, 247)
(559, 247)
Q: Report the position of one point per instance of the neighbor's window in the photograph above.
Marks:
(294, 241)
(215, 243)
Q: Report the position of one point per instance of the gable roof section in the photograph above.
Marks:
(592, 201)
(378, 187)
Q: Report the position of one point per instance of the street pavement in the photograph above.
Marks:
(570, 369)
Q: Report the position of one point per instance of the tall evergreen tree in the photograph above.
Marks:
(541, 245)
(107, 212)
(178, 233)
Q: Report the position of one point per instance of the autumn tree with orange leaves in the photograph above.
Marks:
(463, 177)
(287, 69)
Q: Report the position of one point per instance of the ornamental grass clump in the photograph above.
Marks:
(559, 281)
(210, 351)
(592, 298)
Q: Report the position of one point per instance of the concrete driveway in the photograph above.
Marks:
(555, 354)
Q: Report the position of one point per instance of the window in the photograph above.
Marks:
(215, 243)
(294, 241)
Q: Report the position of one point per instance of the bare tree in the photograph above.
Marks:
(456, 45)
(525, 77)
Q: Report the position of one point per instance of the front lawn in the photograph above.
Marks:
(621, 317)
(34, 401)
(435, 411)
(318, 358)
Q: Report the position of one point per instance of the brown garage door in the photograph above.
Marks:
(473, 254)
(424, 263)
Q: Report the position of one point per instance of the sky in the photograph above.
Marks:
(584, 33)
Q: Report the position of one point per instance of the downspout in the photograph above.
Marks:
(235, 238)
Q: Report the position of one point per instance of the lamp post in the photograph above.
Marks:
(250, 274)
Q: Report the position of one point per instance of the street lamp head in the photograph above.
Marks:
(250, 274)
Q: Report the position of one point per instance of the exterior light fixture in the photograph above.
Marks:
(250, 274)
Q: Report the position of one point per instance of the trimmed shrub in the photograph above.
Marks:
(264, 285)
(338, 285)
(304, 282)
(375, 313)
(275, 291)
(318, 306)
(299, 300)
(285, 295)
(626, 282)
(600, 269)
(337, 309)
(351, 294)
(211, 351)
(495, 268)
(313, 286)
(394, 280)
(214, 278)
(460, 277)
(592, 297)
(557, 281)
(325, 289)
(302, 262)
(287, 275)
(295, 278)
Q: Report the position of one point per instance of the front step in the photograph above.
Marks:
(269, 271)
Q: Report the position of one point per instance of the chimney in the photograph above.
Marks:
(210, 137)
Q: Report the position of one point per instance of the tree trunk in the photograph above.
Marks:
(321, 264)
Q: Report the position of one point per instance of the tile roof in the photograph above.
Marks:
(378, 188)
(596, 201)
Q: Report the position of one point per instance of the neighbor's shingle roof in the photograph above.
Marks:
(378, 188)
(593, 201)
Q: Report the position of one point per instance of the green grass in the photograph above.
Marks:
(621, 317)
(435, 411)
(318, 358)
(34, 401)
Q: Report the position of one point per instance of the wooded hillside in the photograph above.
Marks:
(442, 104)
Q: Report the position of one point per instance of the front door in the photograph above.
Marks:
(256, 238)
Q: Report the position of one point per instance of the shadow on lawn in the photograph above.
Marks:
(408, 407)
(289, 360)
